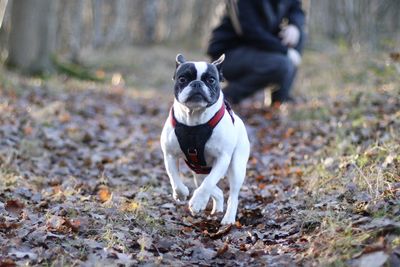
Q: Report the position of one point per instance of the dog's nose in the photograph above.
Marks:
(196, 84)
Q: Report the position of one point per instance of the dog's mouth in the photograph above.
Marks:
(197, 97)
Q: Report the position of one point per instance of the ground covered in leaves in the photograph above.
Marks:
(82, 180)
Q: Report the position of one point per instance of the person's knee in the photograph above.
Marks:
(277, 66)
(284, 67)
(281, 68)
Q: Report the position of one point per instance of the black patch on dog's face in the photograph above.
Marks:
(211, 79)
(186, 75)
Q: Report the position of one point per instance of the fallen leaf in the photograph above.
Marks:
(221, 232)
(74, 225)
(201, 253)
(103, 193)
(23, 254)
(374, 259)
(164, 245)
(222, 249)
(14, 207)
(145, 241)
(64, 117)
(7, 262)
(28, 130)
(289, 132)
(9, 225)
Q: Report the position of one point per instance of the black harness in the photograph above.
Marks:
(192, 139)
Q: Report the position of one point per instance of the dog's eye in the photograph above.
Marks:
(211, 80)
(182, 80)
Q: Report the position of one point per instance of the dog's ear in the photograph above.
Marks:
(218, 64)
(219, 61)
(178, 60)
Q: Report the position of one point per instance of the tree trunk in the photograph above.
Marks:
(32, 36)
(4, 25)
(3, 5)
(116, 33)
(75, 15)
(98, 23)
(150, 19)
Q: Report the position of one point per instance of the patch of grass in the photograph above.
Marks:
(358, 77)
(396, 242)
(383, 71)
(77, 71)
(9, 83)
(380, 213)
(319, 179)
(131, 206)
(353, 175)
(111, 238)
(31, 148)
(336, 241)
(8, 177)
(137, 211)
(145, 218)
(319, 113)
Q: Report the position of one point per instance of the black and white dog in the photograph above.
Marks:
(203, 130)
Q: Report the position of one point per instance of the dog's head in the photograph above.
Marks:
(197, 84)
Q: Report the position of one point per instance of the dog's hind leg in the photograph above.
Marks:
(198, 179)
(236, 176)
(218, 200)
(216, 194)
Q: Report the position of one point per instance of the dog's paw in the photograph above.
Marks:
(227, 220)
(180, 192)
(199, 200)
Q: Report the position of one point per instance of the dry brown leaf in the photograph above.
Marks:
(28, 130)
(222, 249)
(103, 193)
(14, 206)
(262, 186)
(73, 224)
(7, 262)
(221, 232)
(64, 117)
(9, 226)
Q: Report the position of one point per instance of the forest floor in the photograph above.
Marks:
(82, 180)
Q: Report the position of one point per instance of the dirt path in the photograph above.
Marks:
(82, 182)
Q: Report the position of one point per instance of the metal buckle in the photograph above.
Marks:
(192, 152)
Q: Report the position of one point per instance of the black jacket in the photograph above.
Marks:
(259, 21)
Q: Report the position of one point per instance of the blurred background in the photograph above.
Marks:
(85, 87)
(80, 31)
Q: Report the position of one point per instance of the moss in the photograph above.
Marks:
(76, 71)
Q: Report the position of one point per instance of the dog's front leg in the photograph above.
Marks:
(179, 190)
(201, 195)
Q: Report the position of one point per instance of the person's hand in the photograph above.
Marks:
(290, 35)
(294, 56)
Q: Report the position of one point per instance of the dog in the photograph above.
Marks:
(203, 130)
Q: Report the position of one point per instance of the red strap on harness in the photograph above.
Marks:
(217, 117)
(212, 122)
(198, 168)
(172, 117)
